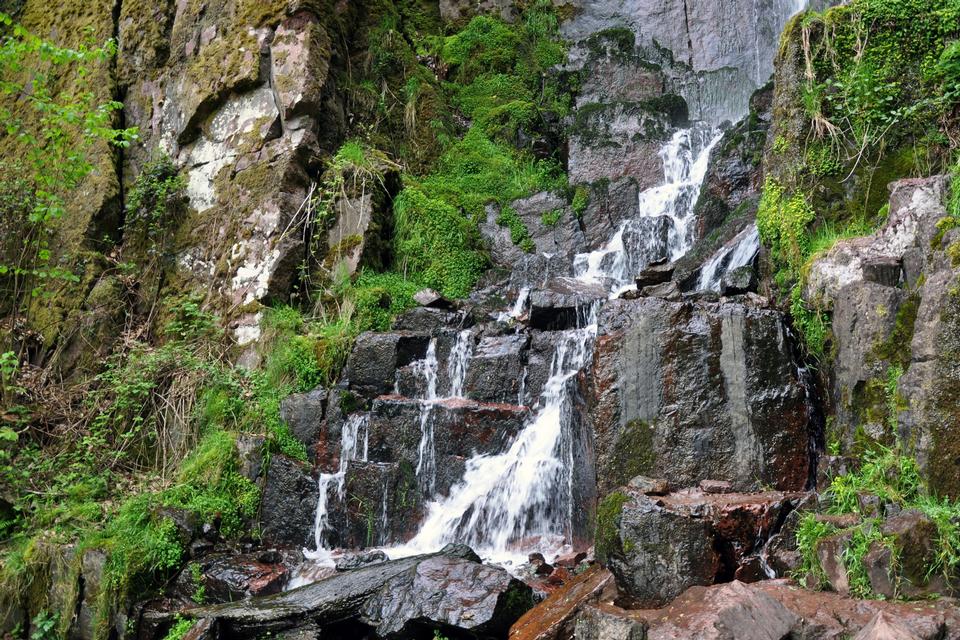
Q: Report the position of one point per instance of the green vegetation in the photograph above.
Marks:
(607, 535)
(886, 478)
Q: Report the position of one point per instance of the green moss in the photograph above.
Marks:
(897, 348)
(581, 200)
(607, 535)
(519, 234)
(632, 454)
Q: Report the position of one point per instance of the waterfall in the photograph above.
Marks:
(525, 492)
(458, 362)
(426, 452)
(350, 449)
(738, 253)
(685, 158)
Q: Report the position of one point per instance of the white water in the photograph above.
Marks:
(519, 501)
(685, 158)
(738, 253)
(426, 452)
(518, 307)
(458, 362)
(351, 448)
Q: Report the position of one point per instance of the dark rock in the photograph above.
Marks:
(289, 503)
(655, 274)
(750, 570)
(427, 320)
(432, 299)
(654, 400)
(184, 521)
(610, 203)
(562, 303)
(572, 560)
(449, 589)
(739, 281)
(495, 371)
(881, 570)
(233, 577)
(915, 538)
(304, 413)
(376, 356)
(885, 270)
(544, 569)
(360, 559)
(203, 629)
(664, 545)
(250, 453)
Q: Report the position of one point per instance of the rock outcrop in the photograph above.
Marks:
(445, 590)
(690, 391)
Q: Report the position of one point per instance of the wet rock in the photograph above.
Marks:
(304, 414)
(571, 560)
(432, 299)
(250, 453)
(655, 274)
(739, 281)
(656, 404)
(884, 270)
(289, 503)
(562, 303)
(663, 545)
(361, 559)
(376, 356)
(234, 577)
(553, 618)
(609, 204)
(427, 320)
(447, 589)
(667, 291)
(495, 371)
(616, 140)
(606, 622)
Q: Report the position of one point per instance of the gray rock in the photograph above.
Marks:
(739, 281)
(885, 270)
(608, 623)
(288, 504)
(496, 368)
(432, 299)
(304, 414)
(447, 589)
(609, 204)
(689, 391)
(561, 303)
(655, 274)
(361, 559)
(427, 320)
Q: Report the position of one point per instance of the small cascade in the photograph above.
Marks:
(521, 497)
(740, 252)
(427, 369)
(354, 443)
(518, 307)
(640, 240)
(458, 362)
(426, 453)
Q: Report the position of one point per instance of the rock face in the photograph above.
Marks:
(689, 391)
(659, 546)
(449, 589)
(289, 503)
(894, 317)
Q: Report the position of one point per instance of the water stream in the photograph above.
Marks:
(735, 254)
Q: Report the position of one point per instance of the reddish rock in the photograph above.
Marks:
(716, 486)
(885, 627)
(553, 618)
(559, 576)
(571, 560)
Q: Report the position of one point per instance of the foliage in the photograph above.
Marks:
(519, 234)
(179, 629)
(895, 480)
(153, 204)
(53, 129)
(607, 536)
(581, 200)
(782, 222)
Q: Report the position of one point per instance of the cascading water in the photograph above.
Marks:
(351, 448)
(738, 253)
(458, 362)
(426, 452)
(636, 243)
(525, 492)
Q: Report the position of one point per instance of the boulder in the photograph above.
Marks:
(886, 627)
(739, 281)
(448, 589)
(607, 622)
(371, 367)
(428, 320)
(658, 546)
(496, 369)
(432, 299)
(690, 391)
(655, 274)
(226, 578)
(609, 204)
(667, 291)
(289, 503)
(304, 414)
(359, 559)
(562, 304)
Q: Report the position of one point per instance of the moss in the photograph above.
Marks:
(607, 535)
(896, 349)
(632, 454)
(944, 425)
